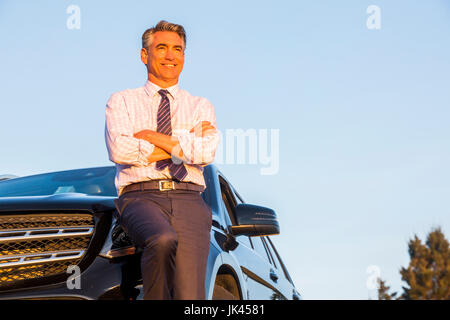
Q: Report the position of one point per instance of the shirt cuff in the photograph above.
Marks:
(187, 146)
(198, 150)
(145, 150)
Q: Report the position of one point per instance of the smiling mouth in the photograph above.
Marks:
(169, 65)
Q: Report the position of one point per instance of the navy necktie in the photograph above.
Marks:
(177, 171)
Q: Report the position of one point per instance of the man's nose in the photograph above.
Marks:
(169, 55)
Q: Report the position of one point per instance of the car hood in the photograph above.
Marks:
(63, 201)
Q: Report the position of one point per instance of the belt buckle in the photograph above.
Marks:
(165, 185)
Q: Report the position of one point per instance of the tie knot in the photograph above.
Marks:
(163, 93)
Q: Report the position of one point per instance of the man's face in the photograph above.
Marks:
(164, 58)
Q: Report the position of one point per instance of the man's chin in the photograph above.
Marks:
(170, 78)
(167, 77)
(170, 74)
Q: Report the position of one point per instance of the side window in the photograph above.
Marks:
(230, 202)
(237, 196)
(258, 246)
(245, 241)
(271, 255)
(278, 259)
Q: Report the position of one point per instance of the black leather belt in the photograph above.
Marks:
(162, 185)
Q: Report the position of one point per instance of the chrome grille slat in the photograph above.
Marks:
(45, 258)
(44, 233)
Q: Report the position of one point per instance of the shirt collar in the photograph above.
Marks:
(152, 89)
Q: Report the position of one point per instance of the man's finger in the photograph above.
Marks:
(208, 128)
(203, 124)
(203, 129)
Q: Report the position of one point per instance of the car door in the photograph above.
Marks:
(285, 283)
(250, 253)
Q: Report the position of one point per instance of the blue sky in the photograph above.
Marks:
(362, 114)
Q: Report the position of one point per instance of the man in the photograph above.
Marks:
(160, 137)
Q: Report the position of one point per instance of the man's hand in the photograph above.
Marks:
(141, 134)
(158, 154)
(165, 143)
(202, 129)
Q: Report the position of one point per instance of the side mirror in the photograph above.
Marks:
(255, 221)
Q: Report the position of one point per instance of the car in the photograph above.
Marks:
(59, 239)
(7, 176)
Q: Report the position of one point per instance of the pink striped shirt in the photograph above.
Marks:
(132, 110)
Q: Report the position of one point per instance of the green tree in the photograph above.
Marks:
(428, 274)
(383, 291)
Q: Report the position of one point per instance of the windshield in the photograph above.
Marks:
(91, 181)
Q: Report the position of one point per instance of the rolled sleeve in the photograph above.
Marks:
(122, 147)
(201, 150)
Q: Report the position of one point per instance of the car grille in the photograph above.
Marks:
(36, 246)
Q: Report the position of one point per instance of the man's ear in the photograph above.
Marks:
(144, 56)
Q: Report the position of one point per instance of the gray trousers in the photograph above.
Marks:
(173, 229)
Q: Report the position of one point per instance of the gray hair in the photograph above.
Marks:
(147, 37)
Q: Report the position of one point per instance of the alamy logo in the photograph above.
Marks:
(250, 147)
(74, 280)
(239, 146)
(374, 20)
(74, 20)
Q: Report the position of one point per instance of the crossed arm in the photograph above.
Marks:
(126, 147)
(166, 146)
